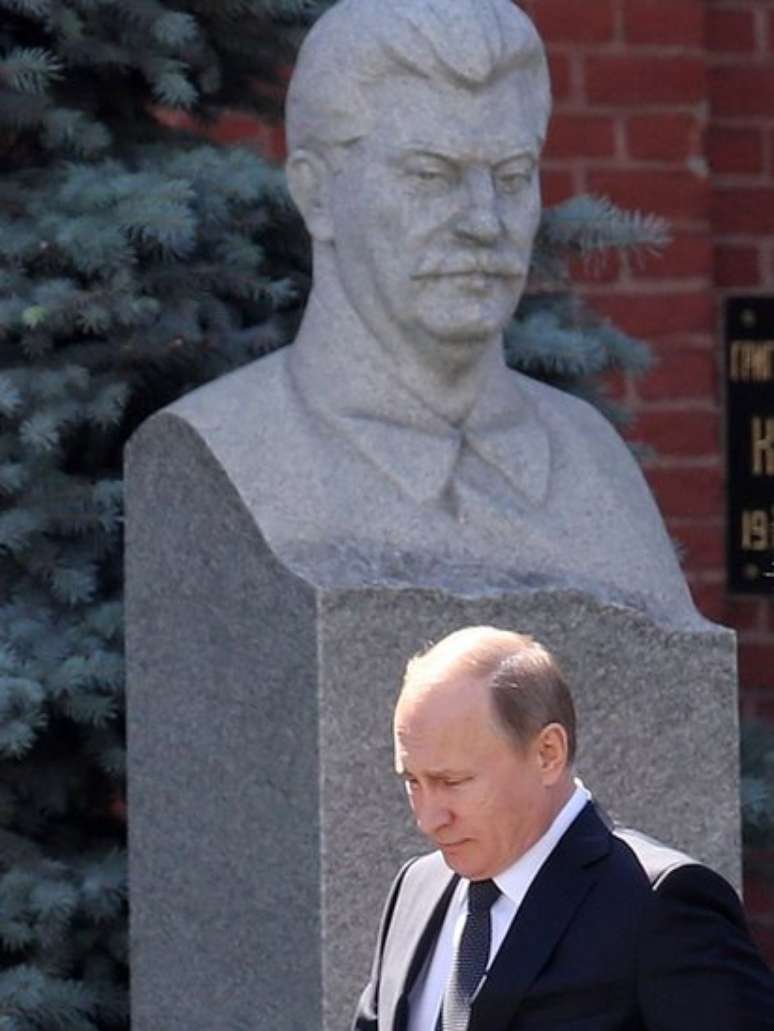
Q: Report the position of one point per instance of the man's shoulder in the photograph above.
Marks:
(668, 869)
(656, 859)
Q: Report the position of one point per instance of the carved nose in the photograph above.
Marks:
(479, 220)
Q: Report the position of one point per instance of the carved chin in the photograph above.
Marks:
(468, 321)
(465, 308)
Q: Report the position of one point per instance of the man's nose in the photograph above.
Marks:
(479, 218)
(431, 816)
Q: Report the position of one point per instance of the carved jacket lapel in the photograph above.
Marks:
(554, 896)
(416, 922)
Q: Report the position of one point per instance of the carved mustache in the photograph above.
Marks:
(485, 265)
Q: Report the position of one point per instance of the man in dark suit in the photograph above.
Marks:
(534, 912)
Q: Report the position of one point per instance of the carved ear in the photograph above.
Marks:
(308, 182)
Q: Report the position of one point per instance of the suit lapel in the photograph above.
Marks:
(419, 913)
(556, 893)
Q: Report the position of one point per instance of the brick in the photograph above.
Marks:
(599, 268)
(737, 266)
(702, 546)
(743, 210)
(269, 139)
(561, 75)
(616, 385)
(743, 613)
(764, 710)
(730, 31)
(742, 90)
(759, 888)
(681, 373)
(624, 81)
(756, 665)
(663, 137)
(559, 21)
(653, 315)
(677, 194)
(663, 22)
(708, 598)
(687, 492)
(232, 127)
(735, 151)
(580, 136)
(713, 600)
(556, 185)
(687, 257)
(678, 433)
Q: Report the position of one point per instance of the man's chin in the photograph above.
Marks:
(458, 858)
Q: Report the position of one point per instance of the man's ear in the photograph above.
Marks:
(309, 185)
(552, 752)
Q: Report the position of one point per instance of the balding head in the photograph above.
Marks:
(360, 44)
(524, 683)
(482, 741)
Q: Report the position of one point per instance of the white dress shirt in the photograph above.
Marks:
(514, 883)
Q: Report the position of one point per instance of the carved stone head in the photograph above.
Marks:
(414, 132)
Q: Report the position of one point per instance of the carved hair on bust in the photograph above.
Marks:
(358, 44)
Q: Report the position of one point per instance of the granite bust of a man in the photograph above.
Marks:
(390, 439)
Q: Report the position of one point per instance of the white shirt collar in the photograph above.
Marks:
(516, 880)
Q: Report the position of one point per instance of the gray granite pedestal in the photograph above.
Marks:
(265, 822)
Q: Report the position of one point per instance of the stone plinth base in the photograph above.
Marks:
(265, 820)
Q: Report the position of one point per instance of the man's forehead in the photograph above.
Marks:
(439, 117)
(444, 695)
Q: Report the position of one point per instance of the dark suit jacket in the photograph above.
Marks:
(616, 933)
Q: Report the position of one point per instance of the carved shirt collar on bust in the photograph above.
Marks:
(347, 382)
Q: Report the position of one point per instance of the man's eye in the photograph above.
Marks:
(512, 182)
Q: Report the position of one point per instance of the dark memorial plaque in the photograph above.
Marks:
(750, 444)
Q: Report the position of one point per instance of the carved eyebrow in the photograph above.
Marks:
(524, 158)
(420, 150)
(425, 152)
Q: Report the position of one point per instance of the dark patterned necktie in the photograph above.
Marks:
(470, 958)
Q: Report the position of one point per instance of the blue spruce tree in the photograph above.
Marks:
(137, 262)
(134, 263)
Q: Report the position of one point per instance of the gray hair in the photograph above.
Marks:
(529, 692)
(359, 43)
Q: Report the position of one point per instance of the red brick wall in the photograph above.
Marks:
(668, 106)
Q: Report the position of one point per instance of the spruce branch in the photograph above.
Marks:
(30, 70)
